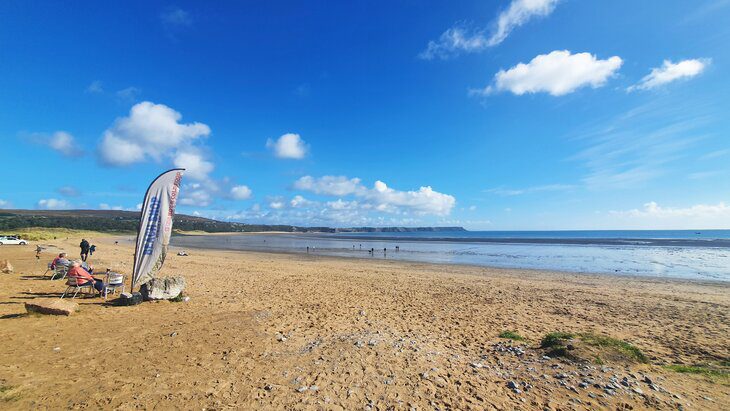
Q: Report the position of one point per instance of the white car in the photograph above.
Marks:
(11, 239)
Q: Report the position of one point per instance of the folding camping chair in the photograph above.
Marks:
(72, 284)
(60, 272)
(112, 282)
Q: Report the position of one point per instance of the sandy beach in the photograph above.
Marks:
(283, 331)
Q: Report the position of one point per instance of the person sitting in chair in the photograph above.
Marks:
(82, 276)
(59, 261)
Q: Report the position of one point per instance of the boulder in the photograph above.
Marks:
(52, 306)
(6, 267)
(167, 288)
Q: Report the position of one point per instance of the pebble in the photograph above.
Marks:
(280, 337)
(313, 388)
(173, 334)
(512, 385)
(478, 365)
(372, 343)
(638, 391)
(302, 389)
(359, 344)
(560, 376)
(57, 349)
(268, 387)
(583, 385)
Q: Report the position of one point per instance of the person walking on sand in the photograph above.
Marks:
(84, 249)
(92, 250)
(38, 250)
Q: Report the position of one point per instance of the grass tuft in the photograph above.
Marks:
(622, 346)
(698, 369)
(512, 335)
(556, 339)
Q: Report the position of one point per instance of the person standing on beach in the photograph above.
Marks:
(85, 246)
(38, 250)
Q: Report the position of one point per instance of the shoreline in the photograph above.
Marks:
(262, 329)
(447, 264)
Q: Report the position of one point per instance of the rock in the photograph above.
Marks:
(6, 267)
(280, 337)
(560, 376)
(313, 388)
(56, 349)
(648, 380)
(372, 343)
(512, 385)
(302, 389)
(167, 288)
(583, 385)
(53, 306)
(129, 299)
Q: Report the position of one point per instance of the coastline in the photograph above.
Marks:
(261, 326)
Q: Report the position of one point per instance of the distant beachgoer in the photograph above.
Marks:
(92, 249)
(85, 246)
(361, 246)
(116, 242)
(397, 248)
(82, 276)
(38, 250)
(307, 249)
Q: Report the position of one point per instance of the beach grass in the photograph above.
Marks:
(622, 346)
(712, 372)
(557, 343)
(511, 335)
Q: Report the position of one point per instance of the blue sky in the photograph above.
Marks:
(524, 114)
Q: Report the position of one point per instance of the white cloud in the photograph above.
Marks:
(518, 13)
(53, 204)
(381, 197)
(176, 17)
(459, 39)
(507, 192)
(128, 94)
(277, 205)
(670, 72)
(196, 194)
(5, 204)
(151, 131)
(64, 143)
(290, 145)
(95, 87)
(69, 191)
(557, 73)
(105, 206)
(329, 185)
(453, 42)
(196, 167)
(652, 215)
(138, 206)
(641, 144)
(240, 192)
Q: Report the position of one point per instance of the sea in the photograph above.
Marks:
(685, 254)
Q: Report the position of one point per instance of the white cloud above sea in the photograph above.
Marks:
(654, 216)
(288, 146)
(557, 73)
(461, 39)
(5, 204)
(424, 201)
(670, 72)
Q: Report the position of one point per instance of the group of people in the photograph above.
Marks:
(80, 270)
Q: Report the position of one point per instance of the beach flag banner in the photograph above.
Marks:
(155, 225)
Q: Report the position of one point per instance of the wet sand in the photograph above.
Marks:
(282, 331)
